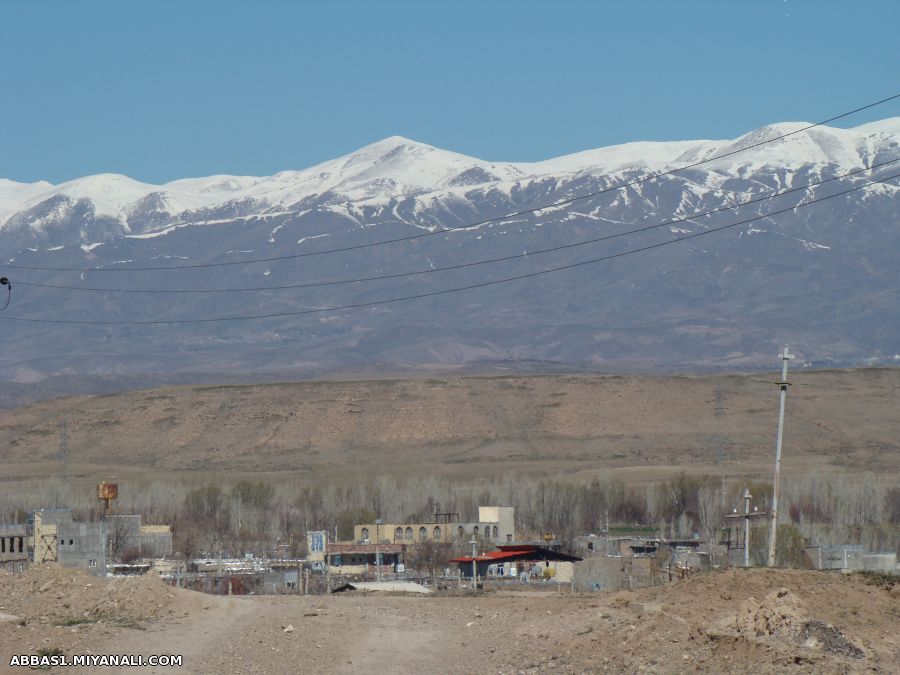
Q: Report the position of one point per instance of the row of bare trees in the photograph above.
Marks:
(254, 515)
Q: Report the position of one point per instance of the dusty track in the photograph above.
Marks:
(737, 621)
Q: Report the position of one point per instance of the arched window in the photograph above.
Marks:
(437, 533)
(423, 533)
(398, 534)
(409, 533)
(365, 533)
(496, 532)
(475, 530)
(460, 532)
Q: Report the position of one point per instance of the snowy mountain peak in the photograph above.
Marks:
(397, 166)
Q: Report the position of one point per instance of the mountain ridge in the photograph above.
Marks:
(822, 277)
(374, 170)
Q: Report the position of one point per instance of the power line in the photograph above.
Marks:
(561, 202)
(446, 268)
(483, 284)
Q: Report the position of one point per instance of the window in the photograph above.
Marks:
(495, 532)
(437, 533)
(71, 542)
(508, 538)
(423, 533)
(460, 532)
(475, 531)
(398, 534)
(365, 534)
(92, 563)
(409, 533)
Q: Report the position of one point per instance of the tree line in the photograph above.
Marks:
(255, 516)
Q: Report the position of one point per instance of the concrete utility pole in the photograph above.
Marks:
(747, 496)
(474, 566)
(783, 384)
(378, 522)
(746, 516)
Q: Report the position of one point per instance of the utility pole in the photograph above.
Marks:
(746, 516)
(378, 522)
(718, 414)
(783, 384)
(474, 566)
(64, 450)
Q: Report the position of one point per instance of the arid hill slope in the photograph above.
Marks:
(836, 420)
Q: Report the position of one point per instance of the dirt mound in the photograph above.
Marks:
(50, 594)
(781, 613)
(60, 608)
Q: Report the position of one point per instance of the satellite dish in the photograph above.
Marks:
(4, 281)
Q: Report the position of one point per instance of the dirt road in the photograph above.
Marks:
(298, 634)
(735, 621)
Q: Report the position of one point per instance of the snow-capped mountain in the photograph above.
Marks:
(725, 299)
(398, 166)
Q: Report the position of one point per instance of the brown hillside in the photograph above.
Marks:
(837, 420)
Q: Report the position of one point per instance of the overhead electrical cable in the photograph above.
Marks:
(493, 282)
(430, 233)
(431, 270)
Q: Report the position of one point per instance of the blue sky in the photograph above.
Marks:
(164, 90)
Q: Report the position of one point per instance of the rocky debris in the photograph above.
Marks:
(819, 635)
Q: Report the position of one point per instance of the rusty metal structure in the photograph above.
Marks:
(106, 493)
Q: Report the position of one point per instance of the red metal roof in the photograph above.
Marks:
(494, 556)
(517, 552)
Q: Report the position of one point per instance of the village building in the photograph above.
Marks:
(360, 558)
(495, 524)
(13, 547)
(523, 561)
(53, 535)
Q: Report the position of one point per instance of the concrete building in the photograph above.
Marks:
(495, 524)
(129, 538)
(54, 536)
(357, 558)
(13, 547)
(82, 545)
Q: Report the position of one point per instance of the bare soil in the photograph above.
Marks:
(736, 621)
